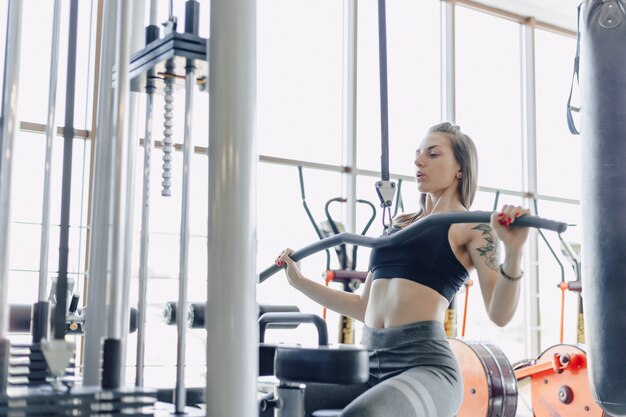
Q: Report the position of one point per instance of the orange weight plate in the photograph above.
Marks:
(489, 384)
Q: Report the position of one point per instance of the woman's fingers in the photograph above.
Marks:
(283, 257)
(508, 214)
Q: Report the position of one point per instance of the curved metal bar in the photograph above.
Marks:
(411, 231)
(294, 318)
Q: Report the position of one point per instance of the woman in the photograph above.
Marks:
(413, 372)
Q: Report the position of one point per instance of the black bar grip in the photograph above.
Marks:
(112, 364)
(294, 318)
(411, 231)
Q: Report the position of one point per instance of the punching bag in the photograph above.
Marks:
(603, 134)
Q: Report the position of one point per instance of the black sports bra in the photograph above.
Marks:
(426, 259)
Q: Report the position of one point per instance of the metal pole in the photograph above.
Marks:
(192, 12)
(7, 135)
(529, 140)
(144, 238)
(154, 9)
(448, 64)
(384, 111)
(152, 33)
(350, 107)
(66, 187)
(136, 42)
(40, 312)
(232, 356)
(181, 318)
(101, 204)
(113, 349)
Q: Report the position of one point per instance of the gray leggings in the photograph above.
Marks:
(413, 373)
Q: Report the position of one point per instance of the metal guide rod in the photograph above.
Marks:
(7, 133)
(101, 206)
(144, 243)
(41, 308)
(112, 361)
(152, 33)
(232, 312)
(448, 63)
(66, 187)
(411, 231)
(154, 9)
(181, 318)
(192, 12)
(136, 42)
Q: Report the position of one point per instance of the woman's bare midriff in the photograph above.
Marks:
(398, 301)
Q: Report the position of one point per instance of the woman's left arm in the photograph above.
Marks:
(499, 280)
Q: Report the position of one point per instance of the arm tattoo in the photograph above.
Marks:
(490, 251)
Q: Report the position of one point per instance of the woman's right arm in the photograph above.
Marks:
(345, 303)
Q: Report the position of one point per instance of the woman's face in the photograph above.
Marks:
(436, 168)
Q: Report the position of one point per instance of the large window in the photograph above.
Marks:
(558, 151)
(299, 63)
(488, 96)
(29, 150)
(413, 67)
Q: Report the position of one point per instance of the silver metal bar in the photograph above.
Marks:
(119, 137)
(350, 103)
(7, 136)
(448, 86)
(50, 135)
(113, 352)
(529, 140)
(99, 242)
(232, 356)
(144, 243)
(135, 43)
(66, 186)
(154, 9)
(183, 277)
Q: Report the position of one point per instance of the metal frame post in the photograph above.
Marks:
(350, 107)
(232, 353)
(152, 32)
(40, 311)
(112, 368)
(66, 187)
(448, 63)
(7, 136)
(99, 243)
(529, 152)
(135, 43)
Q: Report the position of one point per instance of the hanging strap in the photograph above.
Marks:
(575, 76)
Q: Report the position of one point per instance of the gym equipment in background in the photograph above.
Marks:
(347, 275)
(294, 366)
